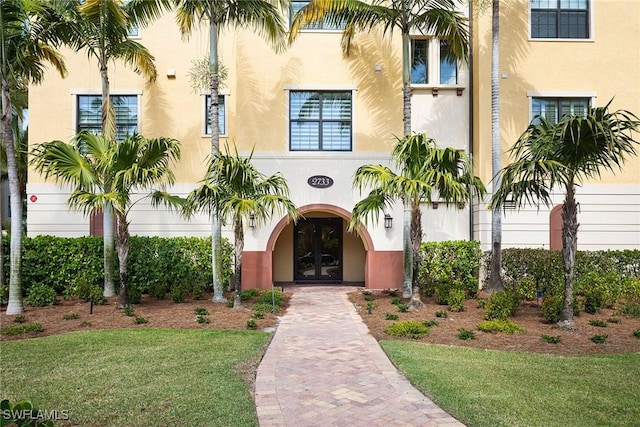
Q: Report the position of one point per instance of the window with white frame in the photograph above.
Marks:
(562, 19)
(89, 114)
(320, 120)
(445, 72)
(296, 5)
(222, 118)
(552, 109)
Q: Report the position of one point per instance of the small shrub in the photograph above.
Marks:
(499, 325)
(613, 320)
(599, 339)
(85, 324)
(636, 333)
(630, 309)
(134, 294)
(552, 309)
(442, 314)
(197, 292)
(393, 292)
(271, 297)
(230, 303)
(551, 339)
(466, 334)
(14, 414)
(456, 300)
(251, 324)
(140, 320)
(22, 328)
(430, 323)
(501, 305)
(598, 322)
(258, 315)
(407, 328)
(201, 311)
(20, 318)
(264, 307)
(368, 298)
(203, 319)
(593, 300)
(396, 300)
(128, 311)
(403, 308)
(41, 295)
(247, 294)
(442, 293)
(157, 290)
(179, 292)
(391, 316)
(88, 291)
(482, 303)
(371, 306)
(70, 316)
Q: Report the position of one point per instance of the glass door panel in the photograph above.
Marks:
(318, 249)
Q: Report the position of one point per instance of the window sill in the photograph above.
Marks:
(558, 40)
(435, 89)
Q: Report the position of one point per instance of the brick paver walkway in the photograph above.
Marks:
(323, 368)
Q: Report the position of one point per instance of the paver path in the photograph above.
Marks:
(323, 368)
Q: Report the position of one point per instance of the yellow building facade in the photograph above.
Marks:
(315, 115)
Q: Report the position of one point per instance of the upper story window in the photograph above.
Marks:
(296, 5)
(553, 109)
(562, 19)
(446, 70)
(222, 118)
(320, 121)
(89, 114)
(133, 31)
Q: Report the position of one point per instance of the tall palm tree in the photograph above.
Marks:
(102, 172)
(101, 28)
(27, 42)
(262, 15)
(435, 17)
(563, 155)
(233, 189)
(424, 171)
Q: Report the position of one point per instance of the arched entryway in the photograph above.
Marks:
(356, 261)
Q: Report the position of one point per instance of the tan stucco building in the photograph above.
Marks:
(312, 111)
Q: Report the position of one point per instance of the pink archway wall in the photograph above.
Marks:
(383, 269)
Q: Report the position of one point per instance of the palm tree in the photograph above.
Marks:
(233, 189)
(102, 172)
(263, 16)
(101, 28)
(436, 17)
(27, 41)
(425, 171)
(548, 156)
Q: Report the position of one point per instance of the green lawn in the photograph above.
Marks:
(500, 388)
(137, 377)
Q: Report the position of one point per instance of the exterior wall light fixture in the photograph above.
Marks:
(388, 221)
(252, 220)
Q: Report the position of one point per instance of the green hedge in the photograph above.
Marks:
(61, 263)
(449, 265)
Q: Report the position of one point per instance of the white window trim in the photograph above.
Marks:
(203, 107)
(89, 92)
(318, 88)
(592, 29)
(433, 56)
(559, 94)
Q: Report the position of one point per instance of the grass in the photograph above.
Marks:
(506, 388)
(137, 377)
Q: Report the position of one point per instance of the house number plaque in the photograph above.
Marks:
(320, 181)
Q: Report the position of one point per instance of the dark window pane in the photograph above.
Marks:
(543, 24)
(567, 19)
(320, 121)
(125, 108)
(419, 50)
(448, 66)
(222, 119)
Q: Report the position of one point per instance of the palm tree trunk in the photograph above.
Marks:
(216, 226)
(238, 234)
(416, 240)
(407, 263)
(569, 248)
(14, 305)
(495, 282)
(122, 246)
(109, 132)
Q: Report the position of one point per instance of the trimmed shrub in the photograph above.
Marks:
(180, 292)
(499, 325)
(552, 309)
(452, 263)
(407, 328)
(41, 296)
(456, 300)
(501, 305)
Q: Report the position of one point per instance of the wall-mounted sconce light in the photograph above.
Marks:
(434, 205)
(252, 220)
(459, 91)
(377, 68)
(460, 205)
(434, 91)
(171, 73)
(388, 221)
